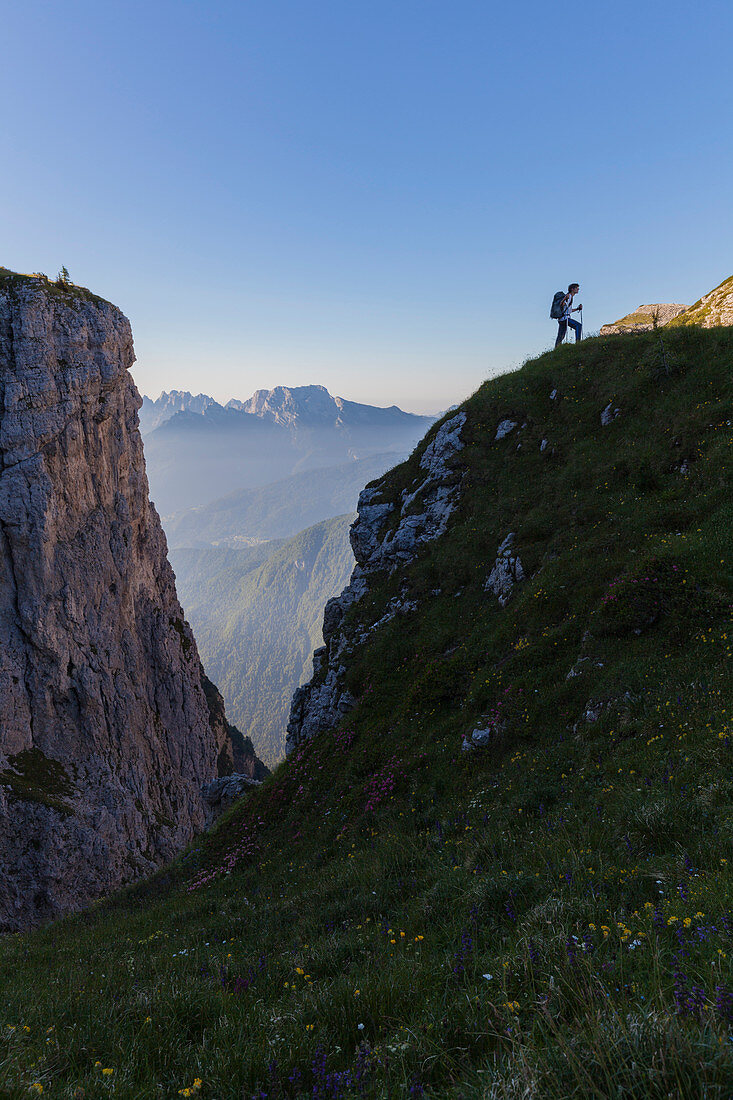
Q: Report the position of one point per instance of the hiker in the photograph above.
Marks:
(562, 307)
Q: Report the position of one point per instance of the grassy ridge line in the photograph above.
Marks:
(389, 916)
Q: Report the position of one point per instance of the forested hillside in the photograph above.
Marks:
(257, 615)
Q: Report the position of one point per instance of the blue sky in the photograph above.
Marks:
(377, 197)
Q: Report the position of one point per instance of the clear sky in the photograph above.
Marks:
(378, 197)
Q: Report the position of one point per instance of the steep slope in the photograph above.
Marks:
(257, 617)
(106, 734)
(545, 914)
(713, 309)
(279, 510)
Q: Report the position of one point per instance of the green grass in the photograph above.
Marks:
(347, 914)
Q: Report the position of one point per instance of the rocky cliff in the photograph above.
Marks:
(384, 537)
(713, 310)
(106, 731)
(644, 318)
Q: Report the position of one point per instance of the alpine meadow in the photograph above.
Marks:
(506, 870)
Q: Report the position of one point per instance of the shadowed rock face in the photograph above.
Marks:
(379, 545)
(106, 735)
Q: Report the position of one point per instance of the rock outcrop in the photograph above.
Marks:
(106, 732)
(644, 319)
(506, 572)
(385, 536)
(712, 310)
(222, 793)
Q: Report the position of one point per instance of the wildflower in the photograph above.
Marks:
(107, 1072)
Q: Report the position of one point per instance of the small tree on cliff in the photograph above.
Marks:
(63, 278)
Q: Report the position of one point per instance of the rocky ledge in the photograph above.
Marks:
(385, 535)
(644, 319)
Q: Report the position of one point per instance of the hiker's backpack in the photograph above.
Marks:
(557, 305)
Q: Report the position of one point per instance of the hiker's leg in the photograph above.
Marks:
(578, 329)
(562, 328)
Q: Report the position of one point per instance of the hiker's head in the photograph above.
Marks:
(573, 288)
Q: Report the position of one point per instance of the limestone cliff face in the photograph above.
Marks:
(386, 534)
(106, 734)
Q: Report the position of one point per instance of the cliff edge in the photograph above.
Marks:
(106, 732)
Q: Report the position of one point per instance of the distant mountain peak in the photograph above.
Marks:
(286, 405)
(296, 409)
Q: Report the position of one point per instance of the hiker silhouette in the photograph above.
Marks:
(561, 310)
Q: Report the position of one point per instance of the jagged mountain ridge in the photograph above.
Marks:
(293, 407)
(153, 413)
(193, 457)
(108, 726)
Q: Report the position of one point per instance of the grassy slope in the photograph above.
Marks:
(551, 917)
(257, 616)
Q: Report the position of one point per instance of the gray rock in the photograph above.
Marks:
(506, 572)
(106, 730)
(644, 319)
(221, 793)
(504, 428)
(381, 543)
(583, 664)
(609, 414)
